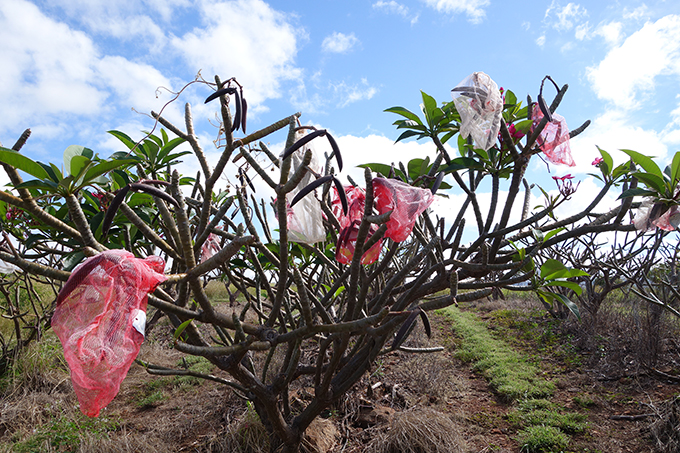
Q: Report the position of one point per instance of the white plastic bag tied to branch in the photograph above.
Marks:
(305, 218)
(479, 103)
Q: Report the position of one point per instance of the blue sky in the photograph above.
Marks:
(73, 69)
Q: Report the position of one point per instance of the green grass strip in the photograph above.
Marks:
(508, 372)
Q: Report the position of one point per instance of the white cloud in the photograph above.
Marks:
(393, 7)
(581, 31)
(227, 44)
(540, 41)
(641, 12)
(526, 25)
(612, 32)
(339, 42)
(126, 20)
(630, 69)
(353, 93)
(48, 68)
(568, 15)
(612, 131)
(474, 9)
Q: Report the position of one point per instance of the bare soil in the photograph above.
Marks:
(190, 416)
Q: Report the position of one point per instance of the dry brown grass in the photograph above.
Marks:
(419, 430)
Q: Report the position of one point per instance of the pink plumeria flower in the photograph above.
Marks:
(597, 161)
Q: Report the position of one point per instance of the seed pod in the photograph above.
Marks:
(341, 195)
(437, 182)
(405, 329)
(544, 108)
(244, 111)
(426, 323)
(302, 142)
(336, 150)
(310, 187)
(237, 114)
(155, 192)
(113, 208)
(218, 93)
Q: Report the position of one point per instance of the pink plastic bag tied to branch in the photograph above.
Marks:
(553, 139)
(100, 320)
(349, 226)
(406, 203)
(479, 103)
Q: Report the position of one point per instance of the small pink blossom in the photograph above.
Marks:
(562, 178)
(597, 161)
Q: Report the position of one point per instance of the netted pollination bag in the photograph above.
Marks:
(554, 138)
(651, 215)
(479, 103)
(349, 227)
(100, 319)
(406, 203)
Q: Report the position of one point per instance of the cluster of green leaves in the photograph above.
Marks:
(611, 174)
(438, 120)
(415, 173)
(81, 168)
(661, 185)
(155, 154)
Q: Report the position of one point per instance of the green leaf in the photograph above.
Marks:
(652, 181)
(405, 113)
(637, 192)
(105, 167)
(607, 160)
(75, 150)
(41, 184)
(645, 162)
(77, 164)
(23, 163)
(407, 134)
(510, 98)
(339, 291)
(430, 107)
(56, 173)
(383, 169)
(570, 305)
(417, 167)
(463, 163)
(181, 328)
(675, 169)
(551, 267)
(552, 233)
(566, 284)
(127, 141)
(524, 126)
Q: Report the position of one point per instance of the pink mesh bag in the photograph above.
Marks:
(406, 203)
(100, 319)
(210, 247)
(554, 139)
(349, 227)
(479, 103)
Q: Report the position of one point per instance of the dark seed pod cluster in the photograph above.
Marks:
(241, 106)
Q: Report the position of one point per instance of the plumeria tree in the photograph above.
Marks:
(331, 287)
